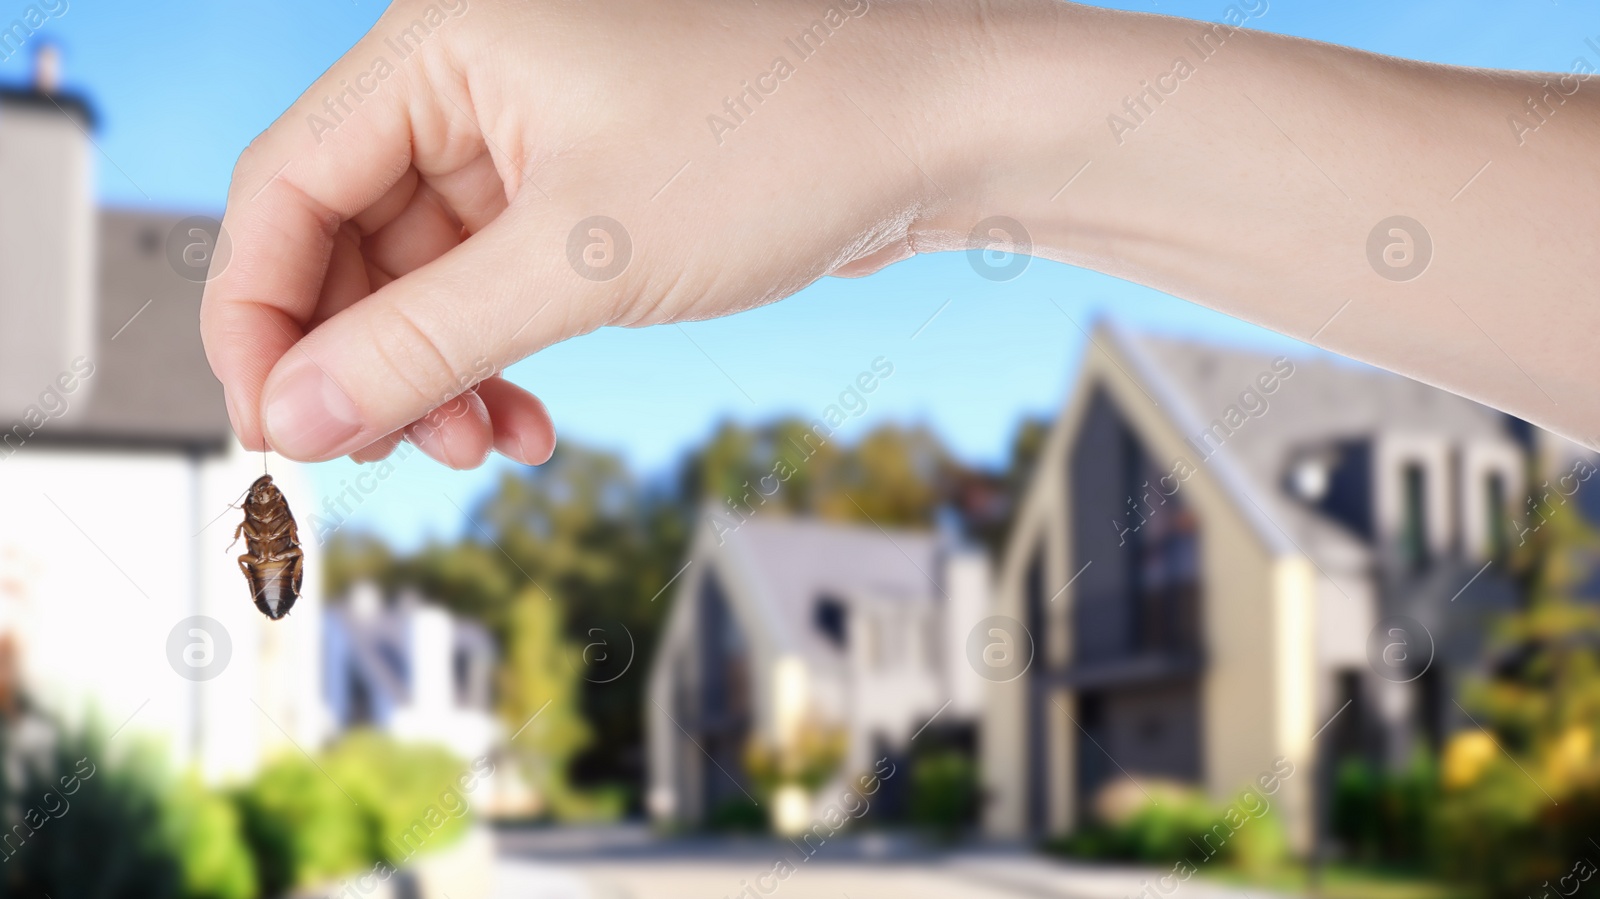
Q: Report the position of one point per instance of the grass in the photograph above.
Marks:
(1349, 882)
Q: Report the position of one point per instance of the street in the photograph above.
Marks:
(631, 863)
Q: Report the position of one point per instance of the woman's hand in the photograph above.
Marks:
(470, 184)
(478, 179)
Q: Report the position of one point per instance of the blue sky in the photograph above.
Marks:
(181, 87)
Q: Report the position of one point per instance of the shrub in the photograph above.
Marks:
(737, 816)
(1169, 828)
(944, 791)
(1259, 848)
(1386, 817)
(369, 799)
(301, 827)
(80, 823)
(205, 830)
(810, 760)
(414, 796)
(1164, 823)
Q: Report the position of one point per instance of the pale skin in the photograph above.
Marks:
(386, 258)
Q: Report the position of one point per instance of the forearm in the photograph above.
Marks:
(1247, 171)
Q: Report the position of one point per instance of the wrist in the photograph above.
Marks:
(1010, 121)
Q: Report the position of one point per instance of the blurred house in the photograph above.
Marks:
(1210, 555)
(410, 668)
(117, 466)
(784, 625)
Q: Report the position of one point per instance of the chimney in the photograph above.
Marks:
(47, 254)
(47, 68)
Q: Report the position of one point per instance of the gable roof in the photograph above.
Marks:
(789, 563)
(152, 386)
(1327, 399)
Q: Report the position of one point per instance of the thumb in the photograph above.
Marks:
(422, 340)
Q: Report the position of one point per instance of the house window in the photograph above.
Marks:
(1168, 579)
(1164, 560)
(1346, 738)
(832, 620)
(1414, 521)
(724, 657)
(1496, 540)
(1033, 598)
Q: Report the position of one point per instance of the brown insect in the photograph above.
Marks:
(274, 564)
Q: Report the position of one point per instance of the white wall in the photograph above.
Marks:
(276, 664)
(100, 559)
(47, 250)
(431, 715)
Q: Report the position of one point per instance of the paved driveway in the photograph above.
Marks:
(708, 880)
(632, 864)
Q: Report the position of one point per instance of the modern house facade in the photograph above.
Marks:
(410, 668)
(1227, 558)
(785, 625)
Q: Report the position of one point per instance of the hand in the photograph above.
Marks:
(417, 221)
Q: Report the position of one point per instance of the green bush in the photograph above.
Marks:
(1386, 817)
(205, 829)
(1174, 823)
(1168, 831)
(80, 823)
(415, 797)
(944, 792)
(1259, 848)
(602, 804)
(301, 826)
(737, 816)
(90, 822)
(368, 799)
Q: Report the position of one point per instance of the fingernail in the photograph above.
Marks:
(432, 441)
(538, 458)
(233, 415)
(309, 416)
(426, 438)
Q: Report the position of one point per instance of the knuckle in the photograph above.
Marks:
(249, 161)
(420, 361)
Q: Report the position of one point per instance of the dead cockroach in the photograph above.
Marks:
(274, 564)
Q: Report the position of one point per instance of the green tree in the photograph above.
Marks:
(600, 546)
(894, 476)
(1522, 796)
(538, 688)
(352, 558)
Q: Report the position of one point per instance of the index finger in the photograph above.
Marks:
(332, 154)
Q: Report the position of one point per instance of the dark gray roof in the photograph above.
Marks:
(152, 386)
(58, 103)
(1327, 399)
(792, 562)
